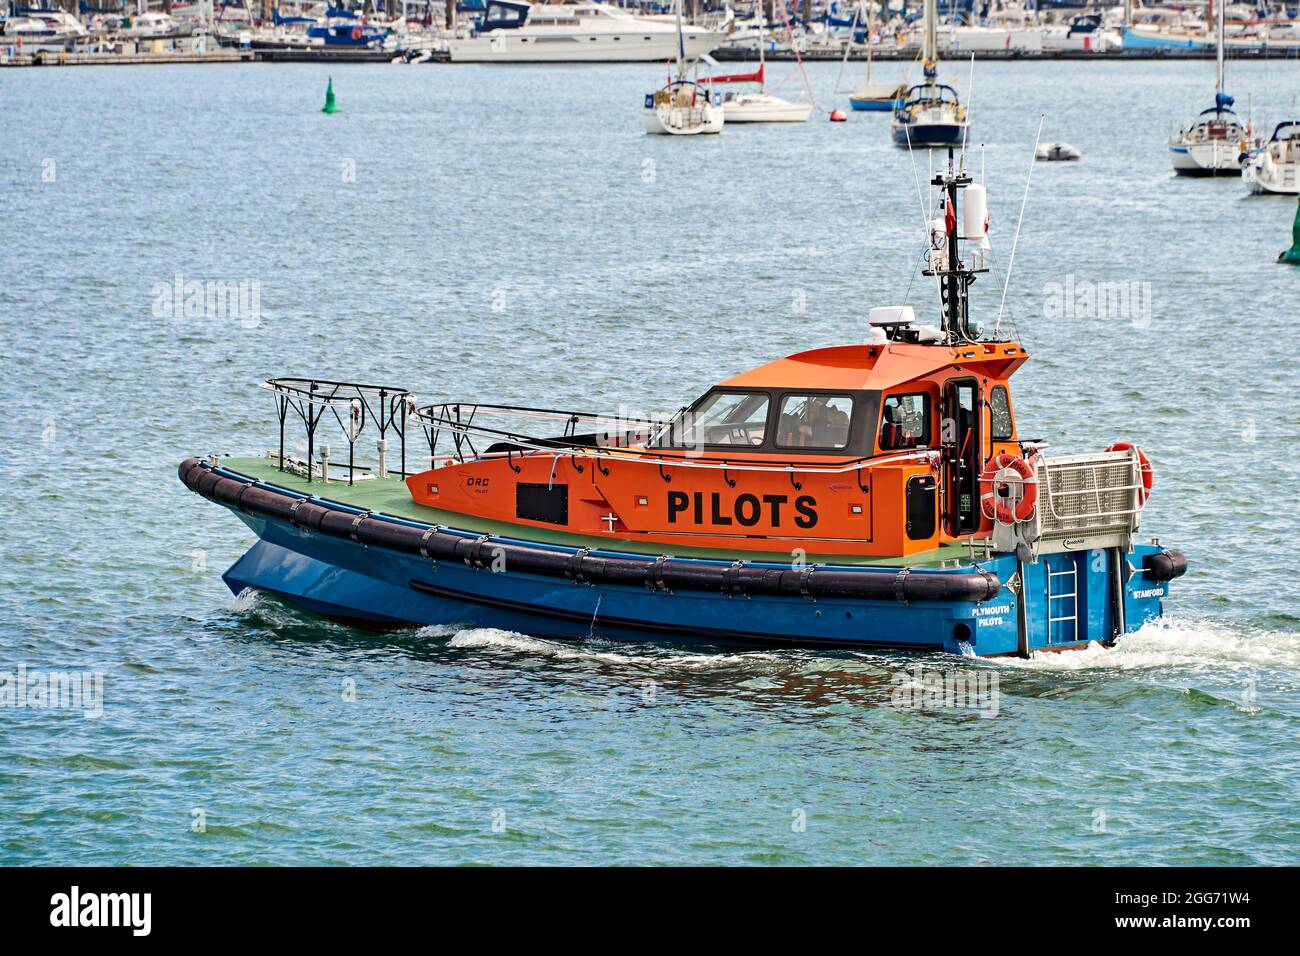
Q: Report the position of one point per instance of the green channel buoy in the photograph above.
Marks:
(330, 106)
(1292, 255)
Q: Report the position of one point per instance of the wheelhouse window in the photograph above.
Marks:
(904, 421)
(814, 421)
(721, 418)
(1001, 427)
(505, 15)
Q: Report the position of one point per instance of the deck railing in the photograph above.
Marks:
(1097, 496)
(467, 436)
(354, 408)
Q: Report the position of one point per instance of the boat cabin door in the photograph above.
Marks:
(962, 456)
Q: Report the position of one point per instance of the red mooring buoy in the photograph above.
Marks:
(838, 116)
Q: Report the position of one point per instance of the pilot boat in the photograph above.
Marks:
(877, 494)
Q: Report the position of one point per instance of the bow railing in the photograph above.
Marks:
(354, 408)
(459, 431)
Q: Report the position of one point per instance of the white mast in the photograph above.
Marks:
(931, 51)
(868, 43)
(1218, 56)
(681, 45)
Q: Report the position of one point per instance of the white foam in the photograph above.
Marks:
(1177, 643)
(245, 600)
(512, 642)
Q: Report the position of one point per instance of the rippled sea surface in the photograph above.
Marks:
(511, 235)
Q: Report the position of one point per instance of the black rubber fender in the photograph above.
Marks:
(662, 574)
(1164, 566)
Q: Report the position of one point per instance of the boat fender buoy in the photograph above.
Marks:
(356, 33)
(664, 574)
(1164, 566)
(838, 116)
(1148, 473)
(993, 494)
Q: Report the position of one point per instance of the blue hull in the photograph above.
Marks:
(875, 106)
(376, 587)
(929, 134)
(1136, 41)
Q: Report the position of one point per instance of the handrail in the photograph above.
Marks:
(436, 418)
(1090, 468)
(310, 398)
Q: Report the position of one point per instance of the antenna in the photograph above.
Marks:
(920, 198)
(945, 263)
(1011, 262)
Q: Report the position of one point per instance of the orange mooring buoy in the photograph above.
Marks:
(838, 116)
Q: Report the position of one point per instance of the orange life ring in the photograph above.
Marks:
(993, 499)
(1148, 473)
(356, 33)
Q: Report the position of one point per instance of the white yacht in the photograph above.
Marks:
(1275, 167)
(149, 25)
(43, 27)
(1086, 32)
(512, 31)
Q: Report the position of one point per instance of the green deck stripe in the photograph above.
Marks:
(391, 496)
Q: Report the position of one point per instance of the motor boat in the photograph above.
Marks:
(513, 31)
(1275, 166)
(871, 495)
(1057, 153)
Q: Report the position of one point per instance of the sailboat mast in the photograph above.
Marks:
(931, 34)
(869, 18)
(1218, 55)
(762, 80)
(681, 44)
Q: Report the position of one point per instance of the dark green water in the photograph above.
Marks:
(510, 235)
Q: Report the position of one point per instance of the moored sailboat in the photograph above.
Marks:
(931, 113)
(1213, 143)
(683, 106)
(759, 106)
(873, 96)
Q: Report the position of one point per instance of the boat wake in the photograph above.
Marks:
(595, 651)
(1170, 644)
(1199, 645)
